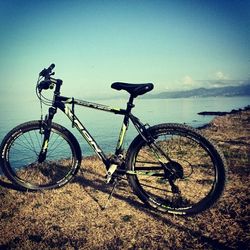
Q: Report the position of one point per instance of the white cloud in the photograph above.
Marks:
(221, 76)
(188, 80)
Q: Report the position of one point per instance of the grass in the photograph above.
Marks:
(72, 217)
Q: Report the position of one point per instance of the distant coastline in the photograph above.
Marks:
(221, 113)
(242, 90)
(228, 91)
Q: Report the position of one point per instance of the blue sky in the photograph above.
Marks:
(174, 44)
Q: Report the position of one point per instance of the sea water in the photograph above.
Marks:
(105, 127)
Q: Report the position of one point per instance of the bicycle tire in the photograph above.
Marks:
(19, 156)
(193, 157)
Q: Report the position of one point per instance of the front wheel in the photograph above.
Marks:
(20, 151)
(180, 171)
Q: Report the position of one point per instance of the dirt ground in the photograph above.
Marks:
(72, 217)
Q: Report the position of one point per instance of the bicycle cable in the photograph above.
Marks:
(43, 100)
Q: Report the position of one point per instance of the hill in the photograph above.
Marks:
(241, 90)
(72, 217)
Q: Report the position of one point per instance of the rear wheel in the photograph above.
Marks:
(181, 172)
(20, 152)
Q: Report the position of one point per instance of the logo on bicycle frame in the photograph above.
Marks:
(83, 131)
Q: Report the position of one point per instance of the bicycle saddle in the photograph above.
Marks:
(132, 88)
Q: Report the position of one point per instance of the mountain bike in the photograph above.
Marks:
(171, 167)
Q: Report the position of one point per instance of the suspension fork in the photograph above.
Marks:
(46, 127)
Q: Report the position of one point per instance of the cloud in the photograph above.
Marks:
(221, 79)
(188, 80)
(221, 76)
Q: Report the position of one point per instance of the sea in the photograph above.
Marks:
(105, 126)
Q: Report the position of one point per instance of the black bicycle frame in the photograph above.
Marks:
(61, 103)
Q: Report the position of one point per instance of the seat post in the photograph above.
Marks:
(130, 104)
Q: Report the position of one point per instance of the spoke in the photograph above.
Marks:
(39, 141)
(18, 150)
(28, 144)
(148, 162)
(53, 157)
(21, 142)
(156, 188)
(145, 173)
(27, 141)
(54, 140)
(56, 147)
(149, 168)
(23, 145)
(31, 141)
(157, 150)
(58, 153)
(25, 158)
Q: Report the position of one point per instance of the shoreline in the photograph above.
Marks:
(221, 113)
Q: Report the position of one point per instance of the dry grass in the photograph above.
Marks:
(72, 217)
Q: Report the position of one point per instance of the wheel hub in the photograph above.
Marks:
(173, 170)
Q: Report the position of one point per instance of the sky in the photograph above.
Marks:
(174, 44)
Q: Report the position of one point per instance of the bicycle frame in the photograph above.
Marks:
(61, 103)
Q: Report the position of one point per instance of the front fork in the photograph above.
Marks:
(46, 130)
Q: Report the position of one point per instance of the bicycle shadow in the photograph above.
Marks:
(9, 185)
(99, 184)
(139, 206)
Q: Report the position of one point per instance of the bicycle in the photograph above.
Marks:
(171, 167)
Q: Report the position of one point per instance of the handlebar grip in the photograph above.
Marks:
(51, 67)
(46, 72)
